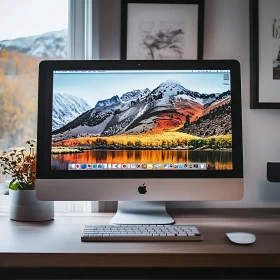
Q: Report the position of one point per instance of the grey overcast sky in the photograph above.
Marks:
(22, 18)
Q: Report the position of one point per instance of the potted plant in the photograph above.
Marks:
(20, 165)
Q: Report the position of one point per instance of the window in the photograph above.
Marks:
(31, 31)
(27, 35)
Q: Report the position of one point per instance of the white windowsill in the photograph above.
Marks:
(60, 207)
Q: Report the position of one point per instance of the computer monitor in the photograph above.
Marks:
(139, 131)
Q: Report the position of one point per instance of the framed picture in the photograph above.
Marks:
(162, 30)
(265, 54)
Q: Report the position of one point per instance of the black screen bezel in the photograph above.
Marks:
(44, 129)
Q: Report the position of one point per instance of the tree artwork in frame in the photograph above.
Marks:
(162, 30)
(265, 54)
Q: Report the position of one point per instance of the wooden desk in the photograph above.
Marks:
(56, 245)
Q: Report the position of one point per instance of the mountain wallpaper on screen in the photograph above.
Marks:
(169, 108)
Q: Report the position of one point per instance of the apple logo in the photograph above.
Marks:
(142, 189)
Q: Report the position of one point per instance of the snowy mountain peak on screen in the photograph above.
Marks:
(170, 87)
(115, 100)
(165, 107)
(131, 95)
(170, 83)
(174, 88)
(66, 108)
(47, 45)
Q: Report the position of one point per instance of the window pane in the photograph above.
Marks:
(30, 31)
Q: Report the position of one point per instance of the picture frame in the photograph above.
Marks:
(162, 30)
(265, 54)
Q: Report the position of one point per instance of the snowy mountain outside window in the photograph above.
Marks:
(31, 31)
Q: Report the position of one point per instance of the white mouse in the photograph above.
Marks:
(241, 237)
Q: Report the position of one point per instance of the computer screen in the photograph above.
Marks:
(141, 120)
(139, 130)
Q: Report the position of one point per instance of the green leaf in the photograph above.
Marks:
(19, 186)
(14, 185)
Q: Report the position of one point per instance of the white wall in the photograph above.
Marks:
(226, 37)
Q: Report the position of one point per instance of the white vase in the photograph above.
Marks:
(24, 206)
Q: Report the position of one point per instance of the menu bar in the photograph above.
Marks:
(136, 71)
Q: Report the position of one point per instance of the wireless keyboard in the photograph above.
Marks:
(94, 233)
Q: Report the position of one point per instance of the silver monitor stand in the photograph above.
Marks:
(141, 213)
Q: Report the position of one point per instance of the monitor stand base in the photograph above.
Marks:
(141, 213)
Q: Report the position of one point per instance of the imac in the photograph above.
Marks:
(141, 133)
